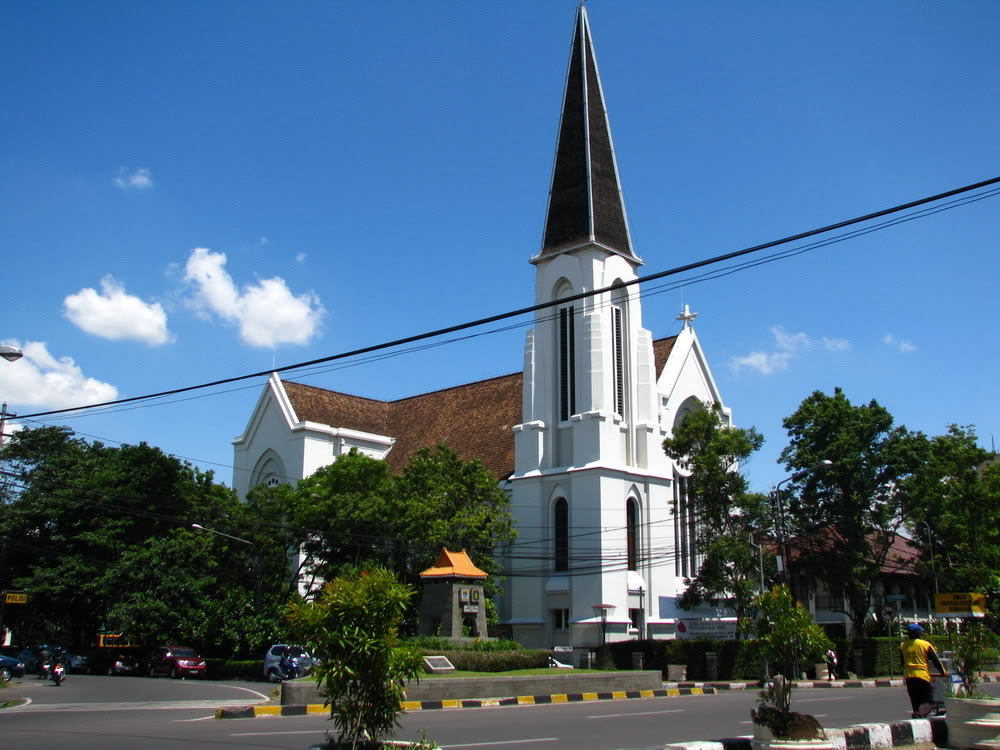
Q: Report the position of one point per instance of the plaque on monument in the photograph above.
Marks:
(437, 665)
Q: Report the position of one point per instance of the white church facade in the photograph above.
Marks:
(575, 438)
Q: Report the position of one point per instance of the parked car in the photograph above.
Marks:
(113, 661)
(78, 662)
(176, 661)
(273, 656)
(10, 667)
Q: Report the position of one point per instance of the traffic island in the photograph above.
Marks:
(252, 712)
(908, 733)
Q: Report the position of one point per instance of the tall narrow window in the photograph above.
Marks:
(560, 524)
(631, 533)
(567, 364)
(619, 355)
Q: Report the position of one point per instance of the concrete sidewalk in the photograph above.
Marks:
(812, 684)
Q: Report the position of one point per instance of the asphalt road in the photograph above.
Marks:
(98, 713)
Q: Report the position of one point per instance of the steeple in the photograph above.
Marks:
(585, 199)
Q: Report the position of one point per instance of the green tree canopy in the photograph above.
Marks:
(856, 506)
(727, 514)
(355, 511)
(101, 537)
(955, 514)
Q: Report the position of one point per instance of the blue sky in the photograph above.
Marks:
(196, 190)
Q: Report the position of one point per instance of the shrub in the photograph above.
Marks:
(493, 661)
(235, 669)
(353, 628)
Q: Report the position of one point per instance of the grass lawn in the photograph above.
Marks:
(512, 673)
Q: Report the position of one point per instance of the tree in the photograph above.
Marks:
(856, 506)
(353, 629)
(355, 511)
(788, 638)
(101, 537)
(955, 514)
(728, 515)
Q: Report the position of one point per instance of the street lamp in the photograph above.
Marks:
(602, 611)
(199, 527)
(10, 353)
(930, 547)
(782, 527)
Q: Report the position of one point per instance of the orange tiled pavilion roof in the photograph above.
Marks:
(453, 565)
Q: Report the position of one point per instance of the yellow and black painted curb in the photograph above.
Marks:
(252, 712)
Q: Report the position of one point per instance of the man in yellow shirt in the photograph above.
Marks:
(916, 651)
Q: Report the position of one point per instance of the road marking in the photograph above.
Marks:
(814, 700)
(201, 718)
(143, 706)
(637, 713)
(299, 731)
(237, 687)
(502, 742)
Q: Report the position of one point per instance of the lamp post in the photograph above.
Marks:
(930, 546)
(602, 611)
(11, 354)
(782, 527)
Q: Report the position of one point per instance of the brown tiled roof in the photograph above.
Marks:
(475, 420)
(661, 352)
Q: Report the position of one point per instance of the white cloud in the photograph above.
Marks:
(42, 381)
(903, 346)
(790, 342)
(763, 362)
(267, 312)
(140, 179)
(301, 257)
(789, 345)
(836, 345)
(113, 314)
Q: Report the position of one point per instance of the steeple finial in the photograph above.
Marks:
(687, 316)
(585, 199)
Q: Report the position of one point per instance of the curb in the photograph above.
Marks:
(253, 712)
(811, 684)
(897, 734)
(798, 684)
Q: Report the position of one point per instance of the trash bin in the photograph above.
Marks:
(637, 659)
(711, 666)
(858, 660)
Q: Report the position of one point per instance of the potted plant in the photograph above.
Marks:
(787, 637)
(973, 717)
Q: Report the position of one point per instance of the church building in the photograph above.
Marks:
(605, 530)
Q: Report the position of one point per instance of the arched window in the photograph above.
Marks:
(566, 355)
(560, 527)
(632, 533)
(618, 334)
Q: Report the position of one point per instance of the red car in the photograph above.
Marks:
(176, 661)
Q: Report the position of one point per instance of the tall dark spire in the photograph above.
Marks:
(585, 199)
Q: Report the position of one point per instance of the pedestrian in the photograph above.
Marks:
(916, 652)
(831, 665)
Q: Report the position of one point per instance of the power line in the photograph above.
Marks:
(541, 306)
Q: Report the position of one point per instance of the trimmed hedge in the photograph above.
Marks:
(492, 661)
(235, 669)
(740, 660)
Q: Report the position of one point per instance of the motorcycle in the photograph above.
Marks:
(58, 673)
(289, 669)
(43, 670)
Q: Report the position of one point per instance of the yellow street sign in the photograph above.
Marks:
(11, 597)
(960, 605)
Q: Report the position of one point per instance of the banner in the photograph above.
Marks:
(708, 630)
(960, 605)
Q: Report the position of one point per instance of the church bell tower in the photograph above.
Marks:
(590, 424)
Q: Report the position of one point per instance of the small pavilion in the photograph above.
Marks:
(453, 605)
